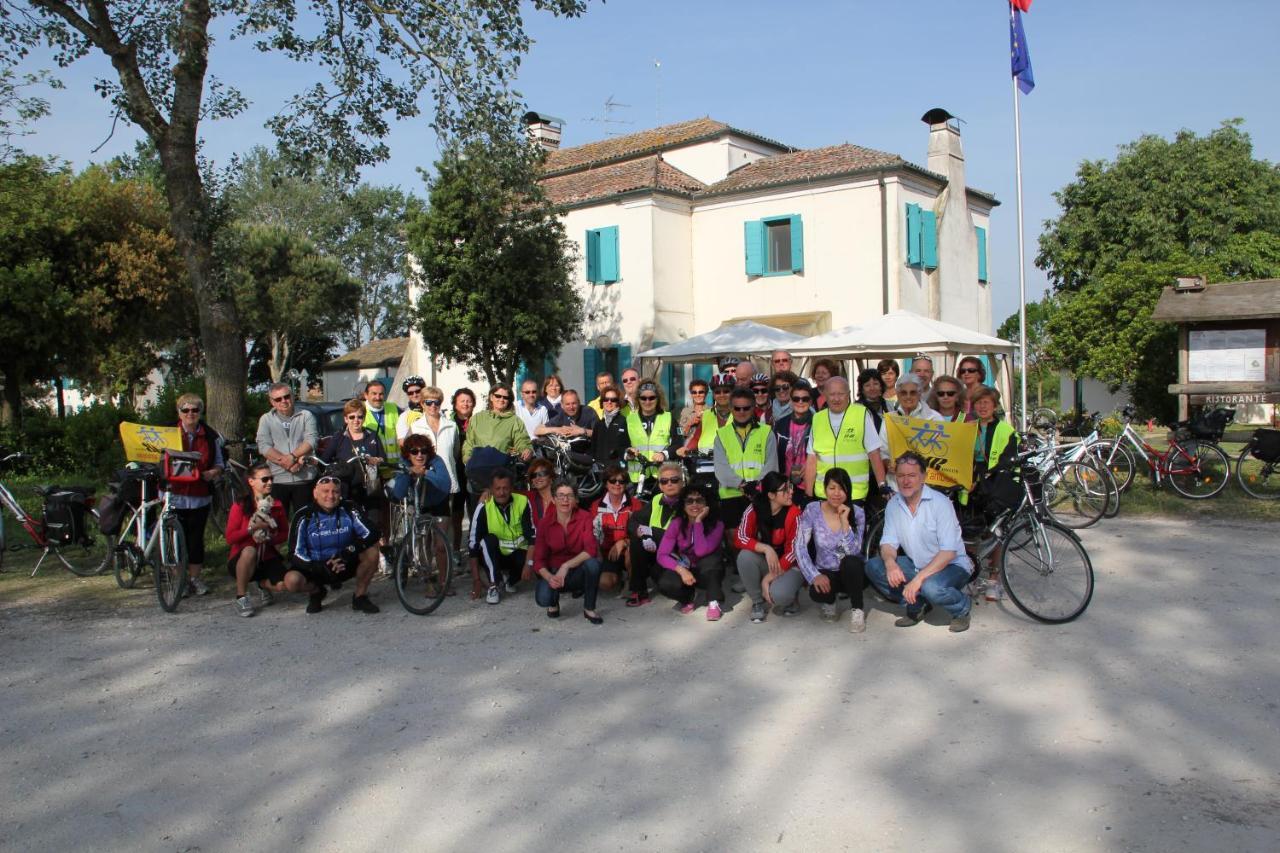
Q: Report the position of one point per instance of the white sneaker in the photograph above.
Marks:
(198, 587)
(828, 612)
(383, 568)
(994, 591)
(492, 596)
(510, 588)
(244, 607)
(857, 621)
(265, 598)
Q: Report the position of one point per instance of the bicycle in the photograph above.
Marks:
(1258, 465)
(74, 539)
(233, 485)
(424, 562)
(1197, 468)
(646, 487)
(158, 544)
(1079, 489)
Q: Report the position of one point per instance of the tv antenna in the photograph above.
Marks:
(610, 107)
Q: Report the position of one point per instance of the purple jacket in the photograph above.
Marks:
(692, 544)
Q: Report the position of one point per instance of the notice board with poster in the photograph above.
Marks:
(1226, 355)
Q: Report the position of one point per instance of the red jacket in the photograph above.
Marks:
(239, 536)
(203, 443)
(783, 541)
(611, 526)
(555, 544)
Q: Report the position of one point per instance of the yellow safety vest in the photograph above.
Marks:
(649, 443)
(746, 458)
(655, 514)
(845, 450)
(510, 534)
(386, 435)
(999, 442)
(710, 426)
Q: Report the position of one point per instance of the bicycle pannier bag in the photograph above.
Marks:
(1266, 445)
(128, 484)
(181, 467)
(111, 512)
(64, 512)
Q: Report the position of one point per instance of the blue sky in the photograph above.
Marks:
(819, 73)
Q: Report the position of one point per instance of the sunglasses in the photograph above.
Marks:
(759, 389)
(632, 379)
(744, 408)
(667, 481)
(797, 399)
(282, 398)
(695, 501)
(432, 402)
(502, 396)
(537, 475)
(617, 481)
(968, 370)
(719, 391)
(647, 398)
(413, 391)
(190, 410)
(418, 451)
(328, 478)
(353, 417)
(701, 392)
(945, 393)
(266, 479)
(609, 400)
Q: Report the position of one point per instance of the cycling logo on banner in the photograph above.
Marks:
(947, 447)
(145, 443)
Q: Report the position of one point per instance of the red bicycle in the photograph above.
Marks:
(1196, 468)
(67, 527)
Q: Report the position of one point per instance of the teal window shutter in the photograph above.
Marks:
(593, 255)
(913, 234)
(982, 253)
(608, 265)
(754, 239)
(549, 366)
(704, 371)
(624, 361)
(590, 367)
(797, 244)
(929, 240)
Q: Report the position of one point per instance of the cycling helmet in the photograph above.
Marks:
(411, 381)
(729, 362)
(759, 379)
(723, 380)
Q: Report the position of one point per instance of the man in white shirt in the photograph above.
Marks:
(935, 568)
(533, 416)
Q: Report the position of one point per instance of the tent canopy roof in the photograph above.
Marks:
(745, 338)
(900, 333)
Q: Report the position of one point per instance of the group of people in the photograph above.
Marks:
(764, 484)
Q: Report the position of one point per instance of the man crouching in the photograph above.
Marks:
(331, 542)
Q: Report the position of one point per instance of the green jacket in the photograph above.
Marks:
(503, 431)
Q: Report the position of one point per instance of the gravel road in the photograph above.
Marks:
(1149, 724)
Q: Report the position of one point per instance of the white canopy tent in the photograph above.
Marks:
(740, 339)
(904, 334)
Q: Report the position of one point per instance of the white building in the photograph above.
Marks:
(684, 227)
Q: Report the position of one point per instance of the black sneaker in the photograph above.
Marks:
(315, 601)
(909, 618)
(363, 604)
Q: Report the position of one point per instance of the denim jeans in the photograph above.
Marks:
(943, 589)
(584, 578)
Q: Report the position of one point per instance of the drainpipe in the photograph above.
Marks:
(884, 246)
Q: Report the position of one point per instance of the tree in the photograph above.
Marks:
(1194, 205)
(1037, 365)
(495, 262)
(18, 108)
(285, 290)
(378, 57)
(90, 278)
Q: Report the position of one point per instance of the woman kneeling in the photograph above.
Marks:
(690, 554)
(566, 555)
(835, 530)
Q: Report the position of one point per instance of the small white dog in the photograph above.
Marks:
(263, 516)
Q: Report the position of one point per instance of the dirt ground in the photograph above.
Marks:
(1149, 724)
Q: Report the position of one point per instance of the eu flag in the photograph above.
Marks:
(1019, 55)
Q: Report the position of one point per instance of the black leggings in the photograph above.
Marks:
(644, 568)
(849, 578)
(707, 574)
(193, 522)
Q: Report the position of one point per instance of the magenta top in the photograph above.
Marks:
(688, 541)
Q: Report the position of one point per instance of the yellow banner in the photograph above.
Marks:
(143, 443)
(947, 447)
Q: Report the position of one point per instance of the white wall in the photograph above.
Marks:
(713, 160)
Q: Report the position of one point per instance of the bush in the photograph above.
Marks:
(85, 443)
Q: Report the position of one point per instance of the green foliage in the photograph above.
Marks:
(496, 262)
(19, 108)
(1162, 209)
(84, 444)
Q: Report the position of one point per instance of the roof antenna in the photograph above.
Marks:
(657, 98)
(610, 106)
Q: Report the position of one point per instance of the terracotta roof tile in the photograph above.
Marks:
(373, 354)
(645, 142)
(645, 173)
(804, 165)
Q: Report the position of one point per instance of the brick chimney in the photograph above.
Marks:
(953, 287)
(543, 129)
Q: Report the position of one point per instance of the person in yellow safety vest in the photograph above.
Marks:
(996, 445)
(645, 529)
(501, 535)
(650, 432)
(844, 436)
(380, 417)
(702, 437)
(744, 453)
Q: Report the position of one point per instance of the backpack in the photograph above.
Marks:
(64, 511)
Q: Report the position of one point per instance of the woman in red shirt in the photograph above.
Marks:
(254, 541)
(766, 547)
(611, 514)
(566, 555)
(540, 474)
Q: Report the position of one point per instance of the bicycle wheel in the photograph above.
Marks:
(1198, 469)
(1113, 505)
(1117, 459)
(128, 565)
(1258, 479)
(1076, 493)
(171, 564)
(223, 498)
(89, 556)
(424, 568)
(871, 540)
(1046, 570)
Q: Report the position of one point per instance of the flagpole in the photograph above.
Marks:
(1022, 271)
